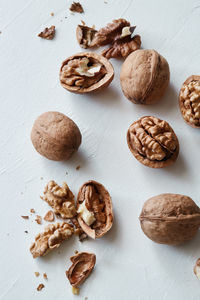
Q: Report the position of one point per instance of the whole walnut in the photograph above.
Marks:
(55, 136)
(144, 76)
(170, 219)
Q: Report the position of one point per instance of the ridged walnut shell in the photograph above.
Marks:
(82, 265)
(144, 76)
(102, 81)
(55, 136)
(170, 219)
(98, 201)
(153, 142)
(189, 101)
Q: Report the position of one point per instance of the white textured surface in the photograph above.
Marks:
(129, 266)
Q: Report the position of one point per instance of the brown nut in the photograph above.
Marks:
(94, 208)
(86, 72)
(82, 265)
(170, 219)
(153, 142)
(55, 136)
(189, 101)
(144, 76)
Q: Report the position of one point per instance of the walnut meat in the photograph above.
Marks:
(144, 76)
(51, 238)
(55, 136)
(94, 207)
(86, 72)
(82, 265)
(61, 199)
(153, 142)
(189, 101)
(170, 219)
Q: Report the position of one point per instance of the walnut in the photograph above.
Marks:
(170, 219)
(76, 7)
(51, 238)
(48, 33)
(153, 142)
(95, 214)
(197, 268)
(86, 72)
(61, 199)
(55, 136)
(144, 76)
(189, 101)
(85, 36)
(49, 216)
(82, 265)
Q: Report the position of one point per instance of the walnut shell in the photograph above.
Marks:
(78, 80)
(170, 219)
(55, 136)
(144, 76)
(189, 101)
(98, 202)
(82, 265)
(153, 142)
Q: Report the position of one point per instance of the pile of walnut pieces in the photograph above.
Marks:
(119, 35)
(91, 216)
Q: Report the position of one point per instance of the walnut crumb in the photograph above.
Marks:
(38, 219)
(52, 14)
(75, 290)
(48, 33)
(76, 7)
(76, 251)
(25, 217)
(45, 276)
(37, 274)
(49, 216)
(82, 22)
(32, 211)
(78, 167)
(40, 287)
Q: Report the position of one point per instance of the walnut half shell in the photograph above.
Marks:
(82, 265)
(86, 72)
(94, 207)
(170, 218)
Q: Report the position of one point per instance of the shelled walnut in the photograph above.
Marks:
(170, 219)
(61, 199)
(189, 101)
(82, 265)
(86, 72)
(51, 238)
(153, 142)
(94, 207)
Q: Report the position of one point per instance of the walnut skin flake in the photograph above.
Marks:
(82, 265)
(153, 142)
(76, 7)
(25, 217)
(48, 33)
(51, 238)
(61, 199)
(95, 214)
(49, 216)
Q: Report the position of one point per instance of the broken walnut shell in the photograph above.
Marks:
(55, 136)
(189, 101)
(170, 219)
(82, 265)
(94, 208)
(153, 142)
(86, 72)
(85, 36)
(144, 76)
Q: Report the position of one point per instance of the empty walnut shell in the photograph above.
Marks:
(82, 265)
(170, 219)
(55, 136)
(86, 72)
(153, 142)
(189, 101)
(98, 203)
(144, 76)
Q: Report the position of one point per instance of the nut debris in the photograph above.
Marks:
(61, 199)
(48, 33)
(75, 290)
(49, 217)
(76, 7)
(25, 217)
(51, 238)
(37, 274)
(40, 287)
(45, 276)
(32, 211)
(197, 268)
(38, 219)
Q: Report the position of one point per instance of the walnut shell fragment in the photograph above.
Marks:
(94, 208)
(144, 76)
(86, 72)
(48, 33)
(170, 219)
(51, 238)
(85, 36)
(153, 142)
(61, 199)
(189, 101)
(82, 265)
(55, 136)
(76, 7)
